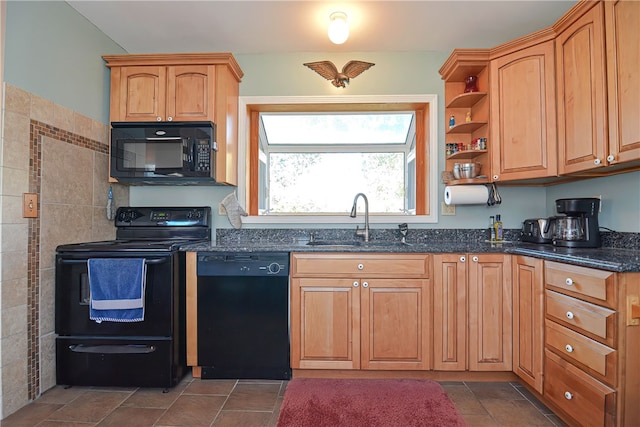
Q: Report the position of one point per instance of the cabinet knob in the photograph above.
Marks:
(158, 119)
(463, 259)
(496, 177)
(355, 284)
(475, 259)
(568, 281)
(597, 161)
(569, 348)
(611, 158)
(360, 266)
(169, 119)
(568, 395)
(365, 284)
(569, 315)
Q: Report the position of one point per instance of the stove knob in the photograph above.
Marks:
(274, 268)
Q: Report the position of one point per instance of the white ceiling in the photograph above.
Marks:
(265, 26)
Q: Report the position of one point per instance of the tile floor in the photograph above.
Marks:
(245, 403)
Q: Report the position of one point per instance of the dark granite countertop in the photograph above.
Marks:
(611, 259)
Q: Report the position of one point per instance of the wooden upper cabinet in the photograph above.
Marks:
(191, 93)
(523, 115)
(622, 23)
(581, 94)
(163, 94)
(138, 93)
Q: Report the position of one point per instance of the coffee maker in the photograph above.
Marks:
(578, 228)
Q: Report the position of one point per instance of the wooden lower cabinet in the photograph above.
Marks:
(371, 318)
(528, 320)
(592, 345)
(472, 312)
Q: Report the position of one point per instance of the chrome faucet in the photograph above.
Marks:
(365, 231)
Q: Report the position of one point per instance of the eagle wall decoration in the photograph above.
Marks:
(351, 70)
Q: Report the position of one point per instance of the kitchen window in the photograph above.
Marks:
(307, 157)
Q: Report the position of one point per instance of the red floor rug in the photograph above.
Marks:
(311, 402)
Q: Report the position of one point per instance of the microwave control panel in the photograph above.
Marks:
(203, 153)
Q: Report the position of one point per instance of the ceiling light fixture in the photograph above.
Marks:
(338, 27)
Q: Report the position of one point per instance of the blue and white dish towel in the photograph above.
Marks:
(117, 288)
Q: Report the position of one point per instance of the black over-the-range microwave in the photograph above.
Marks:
(174, 153)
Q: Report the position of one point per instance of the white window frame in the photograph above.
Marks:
(243, 141)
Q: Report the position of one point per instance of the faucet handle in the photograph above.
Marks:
(404, 228)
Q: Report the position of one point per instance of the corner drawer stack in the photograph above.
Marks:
(581, 342)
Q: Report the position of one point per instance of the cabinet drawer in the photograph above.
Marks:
(593, 285)
(582, 397)
(592, 320)
(359, 265)
(595, 358)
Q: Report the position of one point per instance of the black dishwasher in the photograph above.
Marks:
(243, 315)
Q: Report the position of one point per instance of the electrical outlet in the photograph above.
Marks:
(29, 205)
(447, 209)
(221, 209)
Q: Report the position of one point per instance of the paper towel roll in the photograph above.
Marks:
(466, 195)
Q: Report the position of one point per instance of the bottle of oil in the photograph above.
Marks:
(497, 225)
(492, 230)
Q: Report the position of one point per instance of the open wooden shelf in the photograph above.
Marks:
(466, 154)
(466, 100)
(466, 127)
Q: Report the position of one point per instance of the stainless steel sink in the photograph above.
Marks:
(350, 243)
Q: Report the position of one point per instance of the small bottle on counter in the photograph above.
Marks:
(492, 230)
(452, 121)
(498, 229)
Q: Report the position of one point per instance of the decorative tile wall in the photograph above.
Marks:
(63, 157)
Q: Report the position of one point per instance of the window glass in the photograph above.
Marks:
(316, 163)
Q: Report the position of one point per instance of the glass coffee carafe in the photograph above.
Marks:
(569, 228)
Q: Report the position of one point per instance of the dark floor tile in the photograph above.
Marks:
(152, 398)
(30, 415)
(534, 400)
(91, 406)
(477, 420)
(253, 397)
(61, 394)
(242, 419)
(222, 387)
(192, 411)
(556, 421)
(132, 417)
(48, 423)
(465, 401)
(494, 390)
(515, 413)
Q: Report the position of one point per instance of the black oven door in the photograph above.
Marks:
(164, 286)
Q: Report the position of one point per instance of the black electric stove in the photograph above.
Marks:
(145, 353)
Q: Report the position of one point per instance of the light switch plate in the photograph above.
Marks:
(29, 205)
(448, 209)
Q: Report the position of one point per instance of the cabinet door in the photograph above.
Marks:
(449, 312)
(580, 60)
(141, 94)
(190, 92)
(528, 320)
(490, 340)
(623, 75)
(395, 324)
(523, 115)
(325, 323)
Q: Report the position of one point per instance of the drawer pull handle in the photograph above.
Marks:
(355, 284)
(568, 281)
(569, 348)
(568, 395)
(475, 259)
(360, 266)
(463, 259)
(365, 284)
(569, 315)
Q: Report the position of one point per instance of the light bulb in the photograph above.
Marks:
(338, 27)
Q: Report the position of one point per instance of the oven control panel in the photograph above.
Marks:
(163, 217)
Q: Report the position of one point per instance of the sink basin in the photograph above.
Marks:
(347, 244)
